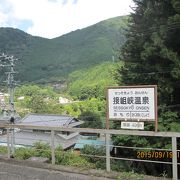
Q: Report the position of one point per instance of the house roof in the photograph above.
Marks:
(50, 120)
(6, 119)
(82, 142)
(93, 142)
(28, 138)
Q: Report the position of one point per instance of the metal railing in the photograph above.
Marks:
(107, 133)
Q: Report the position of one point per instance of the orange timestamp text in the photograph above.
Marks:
(155, 154)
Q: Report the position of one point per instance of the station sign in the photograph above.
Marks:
(134, 103)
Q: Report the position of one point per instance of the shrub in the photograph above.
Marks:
(24, 153)
(42, 150)
(69, 158)
(99, 162)
(3, 150)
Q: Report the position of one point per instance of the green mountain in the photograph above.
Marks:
(53, 59)
(91, 82)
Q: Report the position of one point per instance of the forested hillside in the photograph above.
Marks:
(88, 83)
(151, 55)
(54, 59)
(87, 87)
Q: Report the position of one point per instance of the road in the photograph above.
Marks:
(10, 171)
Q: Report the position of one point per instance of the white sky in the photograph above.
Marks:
(53, 18)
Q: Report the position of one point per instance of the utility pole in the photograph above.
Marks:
(8, 61)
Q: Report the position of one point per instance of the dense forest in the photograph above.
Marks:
(48, 60)
(151, 55)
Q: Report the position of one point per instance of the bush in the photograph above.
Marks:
(24, 153)
(3, 150)
(39, 150)
(99, 162)
(69, 158)
(42, 150)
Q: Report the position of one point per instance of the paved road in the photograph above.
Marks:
(19, 172)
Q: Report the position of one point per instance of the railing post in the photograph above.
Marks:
(12, 140)
(174, 159)
(14, 145)
(52, 147)
(8, 145)
(108, 167)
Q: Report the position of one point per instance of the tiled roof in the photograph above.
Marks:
(82, 142)
(96, 143)
(48, 120)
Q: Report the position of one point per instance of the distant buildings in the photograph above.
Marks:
(64, 100)
(28, 137)
(20, 98)
(97, 143)
(2, 100)
(60, 86)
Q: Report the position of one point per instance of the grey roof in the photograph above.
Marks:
(50, 120)
(27, 138)
(6, 119)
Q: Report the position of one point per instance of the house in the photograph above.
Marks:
(63, 100)
(92, 142)
(28, 137)
(2, 101)
(50, 120)
(5, 118)
(2, 97)
(21, 98)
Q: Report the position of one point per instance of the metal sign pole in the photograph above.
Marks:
(107, 109)
(174, 159)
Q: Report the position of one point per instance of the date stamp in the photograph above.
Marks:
(155, 154)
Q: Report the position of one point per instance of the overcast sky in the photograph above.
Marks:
(53, 18)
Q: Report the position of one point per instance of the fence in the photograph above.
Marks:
(107, 133)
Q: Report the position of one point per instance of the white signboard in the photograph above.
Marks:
(132, 125)
(132, 103)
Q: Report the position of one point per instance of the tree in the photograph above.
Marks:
(151, 55)
(151, 52)
(37, 104)
(91, 119)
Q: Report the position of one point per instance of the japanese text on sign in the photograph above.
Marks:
(132, 103)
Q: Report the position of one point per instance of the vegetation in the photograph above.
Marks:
(48, 60)
(40, 149)
(151, 56)
(90, 109)
(96, 155)
(36, 100)
(94, 151)
(92, 119)
(3, 150)
(44, 100)
(130, 175)
(91, 83)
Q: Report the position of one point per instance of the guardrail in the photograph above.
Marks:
(107, 133)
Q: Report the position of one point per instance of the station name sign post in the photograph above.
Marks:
(132, 105)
